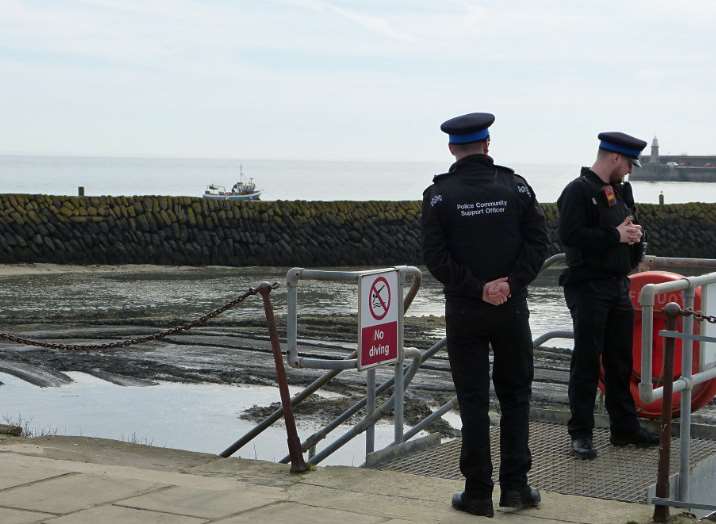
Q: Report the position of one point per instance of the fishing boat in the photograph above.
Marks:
(241, 190)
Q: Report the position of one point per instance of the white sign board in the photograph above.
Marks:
(708, 349)
(379, 321)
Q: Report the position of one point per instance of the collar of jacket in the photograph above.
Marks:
(587, 172)
(471, 162)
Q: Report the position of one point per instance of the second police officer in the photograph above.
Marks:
(484, 238)
(603, 243)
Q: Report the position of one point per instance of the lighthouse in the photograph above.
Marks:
(654, 158)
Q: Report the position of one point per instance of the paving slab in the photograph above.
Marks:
(15, 473)
(73, 492)
(376, 482)
(294, 513)
(32, 462)
(256, 471)
(385, 505)
(106, 451)
(17, 516)
(211, 504)
(111, 452)
(117, 515)
(571, 508)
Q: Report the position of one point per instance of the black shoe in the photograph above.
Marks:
(482, 507)
(643, 438)
(527, 497)
(583, 448)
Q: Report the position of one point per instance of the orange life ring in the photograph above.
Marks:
(702, 394)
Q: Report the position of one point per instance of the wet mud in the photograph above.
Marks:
(239, 352)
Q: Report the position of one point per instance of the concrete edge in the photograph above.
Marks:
(401, 450)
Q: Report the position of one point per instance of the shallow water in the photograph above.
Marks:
(196, 417)
(188, 293)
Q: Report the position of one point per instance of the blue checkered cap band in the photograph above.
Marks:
(477, 136)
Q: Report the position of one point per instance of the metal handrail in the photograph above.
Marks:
(311, 441)
(297, 273)
(367, 422)
(687, 381)
(452, 403)
(371, 418)
(292, 278)
(646, 300)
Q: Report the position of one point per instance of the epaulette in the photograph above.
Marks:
(505, 168)
(519, 178)
(442, 176)
(508, 174)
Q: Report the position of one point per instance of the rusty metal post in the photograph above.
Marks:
(298, 465)
(661, 513)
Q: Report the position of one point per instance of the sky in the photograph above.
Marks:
(352, 80)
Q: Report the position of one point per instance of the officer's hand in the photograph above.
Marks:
(629, 233)
(496, 292)
(500, 288)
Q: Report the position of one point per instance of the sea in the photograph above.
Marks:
(284, 179)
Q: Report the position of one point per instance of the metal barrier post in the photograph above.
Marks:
(370, 408)
(686, 372)
(294, 443)
(399, 386)
(661, 512)
(398, 401)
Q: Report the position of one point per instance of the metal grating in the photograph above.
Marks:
(622, 473)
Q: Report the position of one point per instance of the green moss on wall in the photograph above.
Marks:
(194, 231)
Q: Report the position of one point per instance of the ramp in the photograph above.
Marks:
(618, 473)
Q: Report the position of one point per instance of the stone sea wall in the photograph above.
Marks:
(194, 231)
(664, 173)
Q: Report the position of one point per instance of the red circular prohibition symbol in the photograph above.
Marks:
(375, 299)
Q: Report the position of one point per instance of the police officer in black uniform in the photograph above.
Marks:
(484, 238)
(603, 242)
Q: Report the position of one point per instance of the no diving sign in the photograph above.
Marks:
(379, 319)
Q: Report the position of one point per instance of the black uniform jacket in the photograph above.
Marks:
(481, 222)
(589, 213)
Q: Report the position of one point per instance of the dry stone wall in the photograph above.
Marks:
(195, 231)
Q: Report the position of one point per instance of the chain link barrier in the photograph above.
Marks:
(146, 338)
(711, 319)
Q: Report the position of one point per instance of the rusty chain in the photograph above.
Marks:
(146, 338)
(699, 316)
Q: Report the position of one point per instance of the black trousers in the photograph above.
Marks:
(603, 319)
(472, 327)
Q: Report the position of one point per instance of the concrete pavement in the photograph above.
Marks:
(75, 480)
